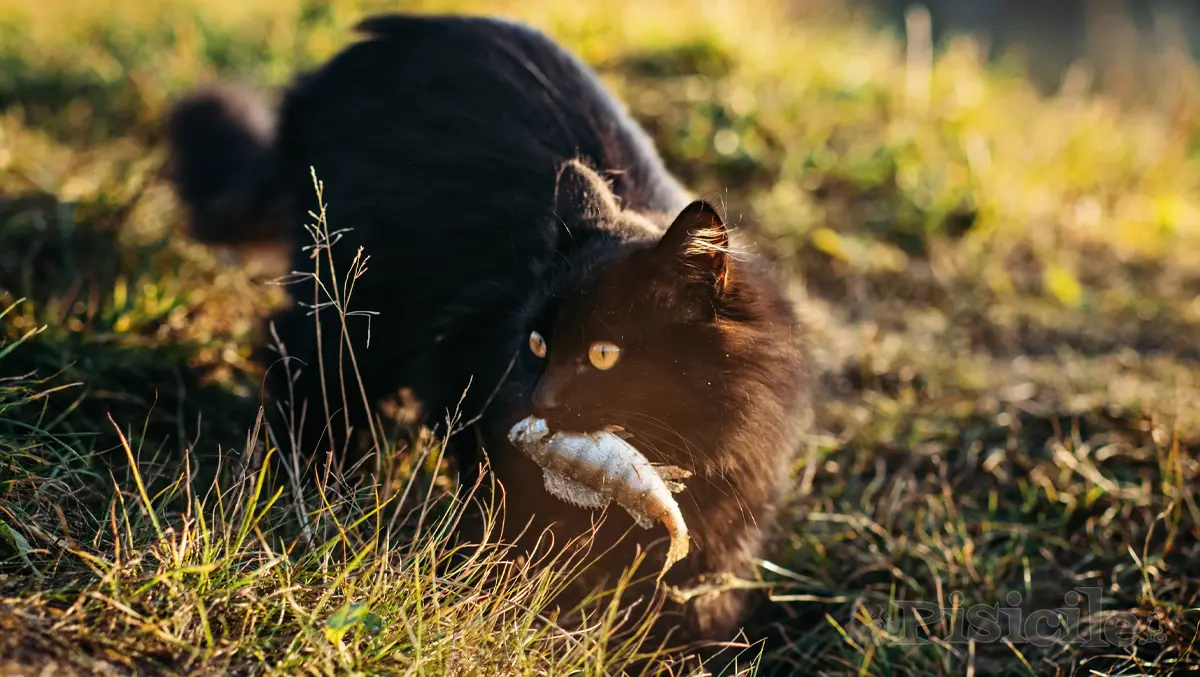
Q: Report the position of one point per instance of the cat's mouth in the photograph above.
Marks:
(575, 420)
(584, 425)
(587, 419)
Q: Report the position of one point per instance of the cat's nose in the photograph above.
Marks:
(546, 396)
(550, 391)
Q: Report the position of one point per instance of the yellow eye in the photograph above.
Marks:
(604, 354)
(537, 344)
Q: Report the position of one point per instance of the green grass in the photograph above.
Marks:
(1005, 295)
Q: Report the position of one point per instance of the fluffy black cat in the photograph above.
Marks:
(524, 238)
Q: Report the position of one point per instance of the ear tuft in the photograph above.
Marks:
(698, 242)
(581, 193)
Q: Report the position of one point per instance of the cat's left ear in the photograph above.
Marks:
(698, 243)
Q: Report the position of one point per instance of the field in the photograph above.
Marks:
(1003, 289)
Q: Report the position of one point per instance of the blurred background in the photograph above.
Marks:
(991, 207)
(1128, 41)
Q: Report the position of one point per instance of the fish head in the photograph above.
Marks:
(528, 431)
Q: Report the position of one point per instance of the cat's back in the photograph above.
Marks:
(460, 124)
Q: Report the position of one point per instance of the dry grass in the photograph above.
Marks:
(1006, 287)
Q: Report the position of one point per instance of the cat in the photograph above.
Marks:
(529, 254)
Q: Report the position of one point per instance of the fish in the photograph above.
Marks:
(590, 470)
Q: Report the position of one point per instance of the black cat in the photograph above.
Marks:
(524, 238)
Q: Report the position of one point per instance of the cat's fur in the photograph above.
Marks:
(500, 189)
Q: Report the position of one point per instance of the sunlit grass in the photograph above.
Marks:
(1005, 289)
(271, 559)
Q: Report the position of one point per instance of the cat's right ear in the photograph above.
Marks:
(698, 244)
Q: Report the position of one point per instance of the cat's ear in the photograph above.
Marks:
(698, 244)
(582, 194)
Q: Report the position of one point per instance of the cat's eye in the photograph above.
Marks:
(537, 344)
(604, 354)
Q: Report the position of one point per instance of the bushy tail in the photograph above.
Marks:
(223, 165)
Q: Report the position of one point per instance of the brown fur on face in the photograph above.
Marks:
(712, 377)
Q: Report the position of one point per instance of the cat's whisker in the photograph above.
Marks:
(689, 447)
(666, 448)
(724, 485)
(724, 482)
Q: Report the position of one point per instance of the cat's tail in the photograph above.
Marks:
(223, 164)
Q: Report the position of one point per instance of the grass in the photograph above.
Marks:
(1004, 289)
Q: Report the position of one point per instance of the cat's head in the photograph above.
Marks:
(645, 329)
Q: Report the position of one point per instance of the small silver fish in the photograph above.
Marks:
(590, 469)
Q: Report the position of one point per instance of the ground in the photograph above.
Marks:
(1003, 289)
